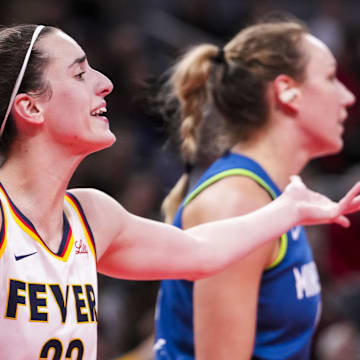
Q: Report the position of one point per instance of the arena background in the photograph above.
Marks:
(134, 40)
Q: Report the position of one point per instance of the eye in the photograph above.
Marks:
(80, 76)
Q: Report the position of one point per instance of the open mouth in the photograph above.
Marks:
(99, 112)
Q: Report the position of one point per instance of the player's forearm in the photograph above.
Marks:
(161, 251)
(226, 241)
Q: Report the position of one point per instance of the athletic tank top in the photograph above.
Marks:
(289, 298)
(48, 302)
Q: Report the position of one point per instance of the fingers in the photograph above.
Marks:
(334, 212)
(353, 206)
(350, 203)
(342, 220)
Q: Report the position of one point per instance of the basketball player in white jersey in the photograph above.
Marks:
(53, 241)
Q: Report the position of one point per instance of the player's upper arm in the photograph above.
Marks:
(132, 247)
(229, 197)
(225, 319)
(232, 196)
(106, 217)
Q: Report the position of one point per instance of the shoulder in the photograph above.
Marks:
(90, 196)
(231, 196)
(97, 203)
(101, 210)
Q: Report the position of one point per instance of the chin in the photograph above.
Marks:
(104, 143)
(331, 149)
(338, 146)
(108, 143)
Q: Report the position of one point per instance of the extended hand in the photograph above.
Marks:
(315, 208)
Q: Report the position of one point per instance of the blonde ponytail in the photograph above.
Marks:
(188, 85)
(174, 198)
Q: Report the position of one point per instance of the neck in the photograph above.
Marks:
(277, 151)
(36, 179)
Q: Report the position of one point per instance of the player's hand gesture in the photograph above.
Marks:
(315, 208)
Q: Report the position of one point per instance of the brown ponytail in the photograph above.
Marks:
(227, 88)
(188, 85)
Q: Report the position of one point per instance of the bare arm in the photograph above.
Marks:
(135, 248)
(225, 310)
(225, 305)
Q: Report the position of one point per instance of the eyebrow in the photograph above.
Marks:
(78, 60)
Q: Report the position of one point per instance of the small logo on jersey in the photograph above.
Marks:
(81, 247)
(295, 232)
(17, 258)
(160, 343)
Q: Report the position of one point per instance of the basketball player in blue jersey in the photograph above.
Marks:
(53, 241)
(267, 103)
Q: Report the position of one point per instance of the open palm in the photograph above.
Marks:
(315, 208)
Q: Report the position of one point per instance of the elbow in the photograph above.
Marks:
(206, 260)
(204, 268)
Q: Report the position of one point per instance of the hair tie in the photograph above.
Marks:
(219, 58)
(188, 167)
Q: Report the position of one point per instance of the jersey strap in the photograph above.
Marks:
(76, 206)
(3, 238)
(26, 225)
(257, 179)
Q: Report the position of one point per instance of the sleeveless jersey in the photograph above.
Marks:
(48, 302)
(289, 297)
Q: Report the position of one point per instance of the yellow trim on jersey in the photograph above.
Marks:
(248, 173)
(3, 246)
(282, 252)
(35, 236)
(83, 225)
(38, 239)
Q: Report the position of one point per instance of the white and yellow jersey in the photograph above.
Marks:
(48, 301)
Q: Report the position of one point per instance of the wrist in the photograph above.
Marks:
(290, 209)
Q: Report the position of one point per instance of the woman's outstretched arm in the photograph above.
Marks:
(132, 247)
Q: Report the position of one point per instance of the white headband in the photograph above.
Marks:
(20, 76)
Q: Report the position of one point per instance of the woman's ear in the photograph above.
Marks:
(286, 93)
(28, 109)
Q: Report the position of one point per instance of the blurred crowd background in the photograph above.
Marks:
(134, 40)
